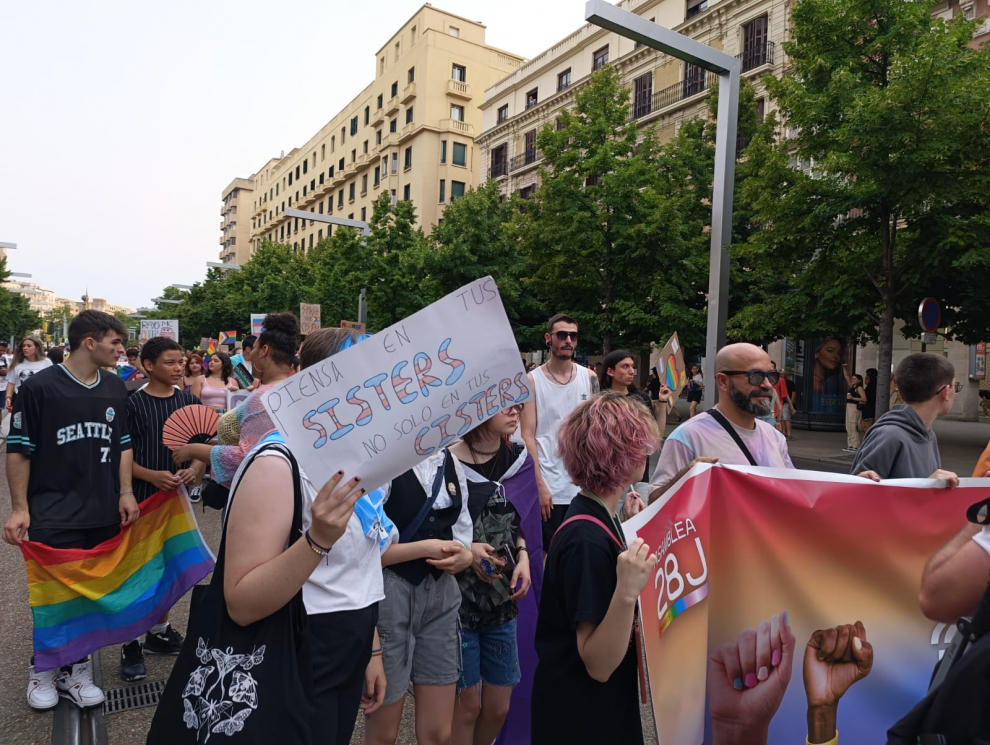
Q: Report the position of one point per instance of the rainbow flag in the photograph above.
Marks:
(212, 348)
(83, 600)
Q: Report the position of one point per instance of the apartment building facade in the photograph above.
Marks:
(665, 91)
(409, 134)
(235, 229)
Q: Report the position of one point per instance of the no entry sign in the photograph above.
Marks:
(929, 314)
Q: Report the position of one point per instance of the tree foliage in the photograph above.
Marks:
(16, 316)
(887, 109)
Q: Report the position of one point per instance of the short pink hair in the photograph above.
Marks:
(603, 440)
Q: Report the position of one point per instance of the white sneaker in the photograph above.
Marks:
(41, 693)
(78, 685)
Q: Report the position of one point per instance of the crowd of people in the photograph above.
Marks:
(493, 578)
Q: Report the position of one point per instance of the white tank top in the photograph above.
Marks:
(553, 403)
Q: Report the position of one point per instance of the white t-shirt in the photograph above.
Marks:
(7, 359)
(350, 578)
(983, 538)
(25, 370)
(703, 437)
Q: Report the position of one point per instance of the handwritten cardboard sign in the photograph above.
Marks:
(381, 406)
(670, 366)
(151, 329)
(309, 318)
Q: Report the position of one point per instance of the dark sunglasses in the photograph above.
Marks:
(563, 335)
(958, 386)
(756, 377)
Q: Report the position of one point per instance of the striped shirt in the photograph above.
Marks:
(146, 415)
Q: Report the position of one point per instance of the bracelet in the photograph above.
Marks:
(521, 548)
(125, 493)
(377, 652)
(316, 547)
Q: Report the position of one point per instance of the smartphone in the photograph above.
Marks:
(506, 554)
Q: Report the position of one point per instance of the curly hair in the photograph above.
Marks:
(605, 439)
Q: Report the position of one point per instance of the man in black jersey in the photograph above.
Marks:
(147, 411)
(69, 469)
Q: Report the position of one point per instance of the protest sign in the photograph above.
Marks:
(806, 552)
(381, 406)
(204, 342)
(356, 325)
(151, 329)
(257, 323)
(670, 366)
(309, 317)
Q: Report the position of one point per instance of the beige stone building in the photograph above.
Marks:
(410, 134)
(235, 234)
(665, 91)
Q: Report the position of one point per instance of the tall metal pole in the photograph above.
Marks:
(632, 26)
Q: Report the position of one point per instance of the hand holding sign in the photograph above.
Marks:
(332, 508)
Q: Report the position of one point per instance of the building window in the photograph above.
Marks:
(460, 154)
(529, 147)
(456, 112)
(364, 214)
(323, 152)
(350, 191)
(333, 143)
(407, 164)
(600, 58)
(290, 178)
(395, 89)
(393, 125)
(321, 207)
(694, 79)
(498, 161)
(384, 166)
(380, 97)
(354, 126)
(456, 190)
(694, 7)
(378, 174)
(411, 75)
(454, 31)
(443, 151)
(312, 184)
(643, 95)
(503, 114)
(330, 172)
(409, 115)
(392, 196)
(395, 163)
(459, 73)
(755, 43)
(405, 192)
(367, 115)
(340, 199)
(532, 98)
(443, 191)
(564, 79)
(305, 163)
(310, 240)
(378, 137)
(365, 147)
(297, 173)
(319, 233)
(343, 135)
(364, 184)
(353, 155)
(340, 166)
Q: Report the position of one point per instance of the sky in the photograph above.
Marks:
(122, 122)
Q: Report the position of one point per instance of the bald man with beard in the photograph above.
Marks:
(745, 377)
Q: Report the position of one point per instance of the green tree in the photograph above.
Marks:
(603, 226)
(16, 317)
(887, 107)
(476, 239)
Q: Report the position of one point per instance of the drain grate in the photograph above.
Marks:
(133, 696)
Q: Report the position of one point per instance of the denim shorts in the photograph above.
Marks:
(489, 654)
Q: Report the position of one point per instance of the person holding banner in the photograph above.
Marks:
(585, 685)
(559, 385)
(731, 431)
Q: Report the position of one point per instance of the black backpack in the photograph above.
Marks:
(957, 707)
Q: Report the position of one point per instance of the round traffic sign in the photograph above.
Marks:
(929, 314)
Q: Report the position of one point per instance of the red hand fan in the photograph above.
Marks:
(193, 423)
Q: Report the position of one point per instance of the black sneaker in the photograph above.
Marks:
(132, 662)
(195, 494)
(168, 642)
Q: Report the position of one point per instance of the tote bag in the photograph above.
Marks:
(232, 684)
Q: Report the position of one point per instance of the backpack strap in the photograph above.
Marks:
(590, 519)
(719, 417)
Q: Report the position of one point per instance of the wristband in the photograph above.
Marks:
(521, 548)
(377, 652)
(125, 493)
(316, 547)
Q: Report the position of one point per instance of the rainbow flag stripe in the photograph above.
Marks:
(692, 598)
(83, 600)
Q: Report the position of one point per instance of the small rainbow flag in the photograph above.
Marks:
(212, 349)
(83, 600)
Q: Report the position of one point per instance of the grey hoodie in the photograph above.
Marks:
(899, 446)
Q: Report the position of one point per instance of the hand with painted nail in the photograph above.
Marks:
(333, 507)
(747, 680)
(833, 660)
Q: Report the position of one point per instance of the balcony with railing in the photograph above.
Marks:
(456, 125)
(529, 157)
(498, 169)
(408, 93)
(458, 89)
(692, 85)
(392, 106)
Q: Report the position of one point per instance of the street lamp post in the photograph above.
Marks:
(365, 232)
(632, 26)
